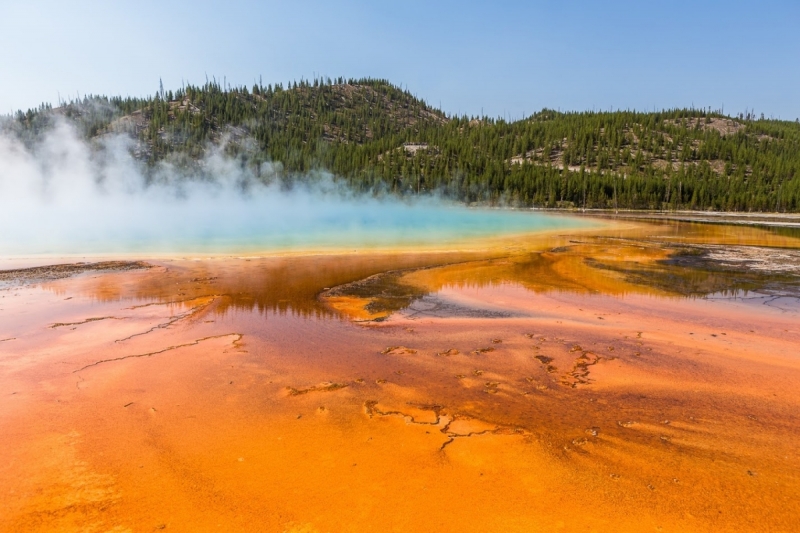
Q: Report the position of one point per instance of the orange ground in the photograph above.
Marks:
(223, 395)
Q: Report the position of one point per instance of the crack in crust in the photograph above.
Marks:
(371, 409)
(171, 302)
(177, 318)
(443, 421)
(236, 342)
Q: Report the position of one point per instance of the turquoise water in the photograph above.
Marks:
(391, 227)
(289, 222)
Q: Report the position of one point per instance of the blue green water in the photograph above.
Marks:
(216, 225)
(392, 226)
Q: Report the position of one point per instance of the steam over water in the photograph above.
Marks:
(59, 195)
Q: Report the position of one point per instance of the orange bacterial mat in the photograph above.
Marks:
(605, 381)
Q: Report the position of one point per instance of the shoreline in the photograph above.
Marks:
(785, 220)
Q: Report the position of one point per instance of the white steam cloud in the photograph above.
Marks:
(64, 196)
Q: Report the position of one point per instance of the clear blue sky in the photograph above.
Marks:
(502, 57)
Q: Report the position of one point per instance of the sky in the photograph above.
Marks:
(502, 58)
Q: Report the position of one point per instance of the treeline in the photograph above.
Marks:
(374, 135)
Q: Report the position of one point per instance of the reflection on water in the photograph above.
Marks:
(272, 285)
(670, 259)
(792, 232)
(667, 260)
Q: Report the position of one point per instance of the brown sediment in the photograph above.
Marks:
(579, 375)
(52, 272)
(398, 350)
(322, 387)
(688, 424)
(480, 351)
(85, 321)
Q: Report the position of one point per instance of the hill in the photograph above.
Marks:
(374, 135)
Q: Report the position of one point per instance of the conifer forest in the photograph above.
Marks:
(377, 138)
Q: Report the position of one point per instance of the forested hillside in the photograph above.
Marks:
(375, 136)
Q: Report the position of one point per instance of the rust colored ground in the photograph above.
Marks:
(516, 389)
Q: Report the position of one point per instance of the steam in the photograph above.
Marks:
(62, 195)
